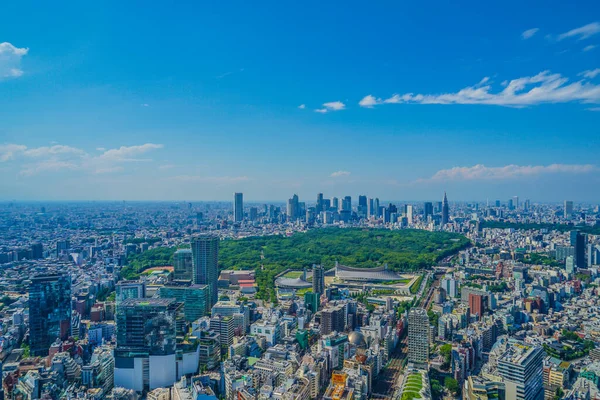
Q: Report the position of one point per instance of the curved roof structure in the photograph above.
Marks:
(346, 273)
(357, 339)
(292, 283)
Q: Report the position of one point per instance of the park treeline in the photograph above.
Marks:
(402, 250)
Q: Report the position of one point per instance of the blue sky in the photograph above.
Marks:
(115, 101)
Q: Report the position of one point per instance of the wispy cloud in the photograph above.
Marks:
(529, 33)
(590, 47)
(10, 60)
(338, 174)
(302, 106)
(211, 179)
(59, 157)
(166, 166)
(481, 172)
(590, 73)
(544, 87)
(129, 153)
(223, 75)
(331, 106)
(52, 164)
(46, 151)
(9, 151)
(583, 32)
(596, 109)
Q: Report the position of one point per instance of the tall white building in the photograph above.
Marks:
(418, 337)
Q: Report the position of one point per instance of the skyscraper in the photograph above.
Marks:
(238, 207)
(376, 210)
(409, 213)
(418, 337)
(318, 279)
(49, 311)
(445, 210)
(427, 209)
(293, 208)
(362, 201)
(578, 240)
(205, 257)
(319, 202)
(521, 368)
(568, 209)
(347, 203)
(183, 268)
(146, 338)
(370, 208)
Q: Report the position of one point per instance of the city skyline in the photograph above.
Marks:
(197, 114)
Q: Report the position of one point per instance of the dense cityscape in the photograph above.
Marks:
(331, 299)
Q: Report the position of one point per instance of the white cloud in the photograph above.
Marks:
(58, 157)
(529, 33)
(9, 151)
(101, 148)
(48, 165)
(10, 60)
(593, 109)
(211, 179)
(331, 106)
(583, 32)
(544, 87)
(338, 174)
(590, 47)
(369, 101)
(128, 153)
(46, 151)
(302, 106)
(145, 105)
(590, 73)
(481, 172)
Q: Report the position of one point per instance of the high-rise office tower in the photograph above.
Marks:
(445, 210)
(427, 209)
(49, 311)
(253, 213)
(578, 241)
(238, 207)
(497, 203)
(318, 279)
(409, 213)
(362, 201)
(568, 209)
(370, 208)
(319, 202)
(418, 337)
(511, 204)
(347, 203)
(516, 202)
(335, 203)
(205, 257)
(183, 268)
(521, 368)
(293, 208)
(146, 342)
(376, 209)
(570, 264)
